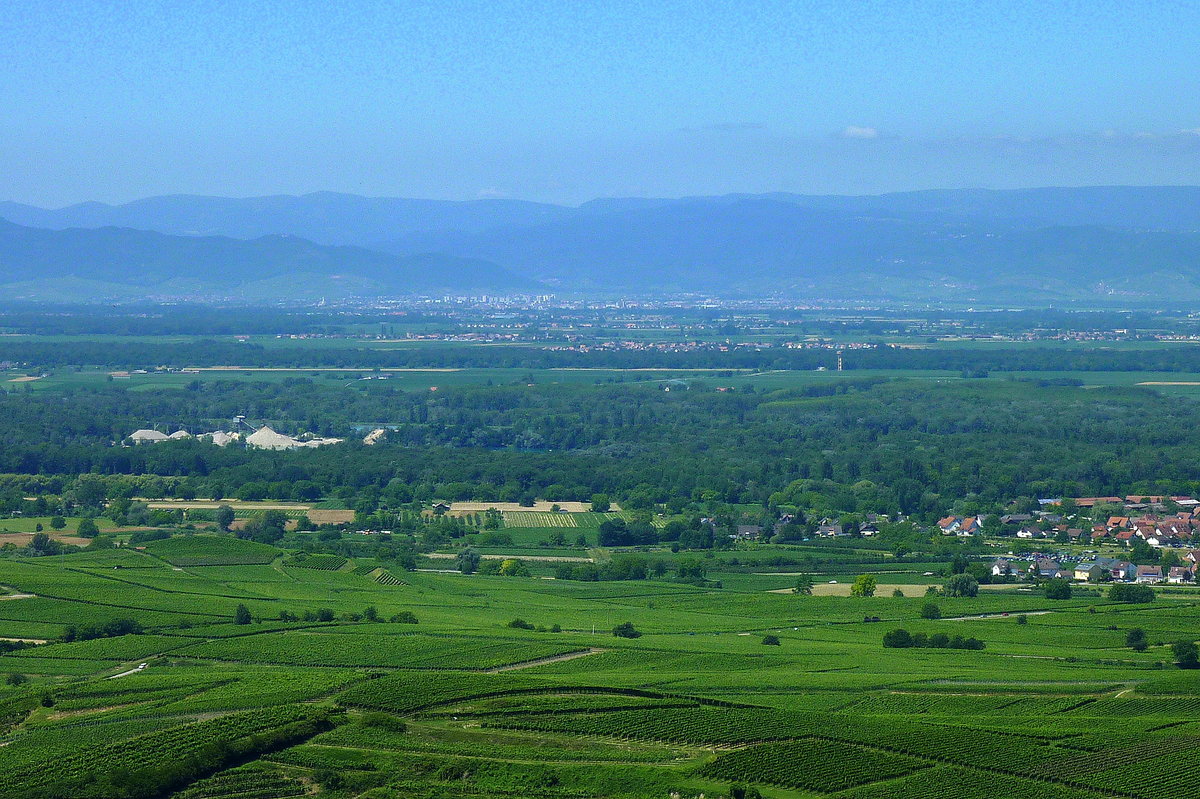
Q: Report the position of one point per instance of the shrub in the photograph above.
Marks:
(864, 585)
(109, 629)
(1135, 639)
(626, 630)
(1186, 654)
(404, 617)
(900, 639)
(383, 721)
(930, 610)
(1122, 592)
(1058, 588)
(520, 624)
(961, 585)
(771, 640)
(468, 560)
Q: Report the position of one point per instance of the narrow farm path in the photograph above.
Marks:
(134, 670)
(999, 615)
(528, 664)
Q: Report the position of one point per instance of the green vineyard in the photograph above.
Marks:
(285, 673)
(329, 563)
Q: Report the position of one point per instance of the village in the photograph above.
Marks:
(1133, 539)
(1164, 529)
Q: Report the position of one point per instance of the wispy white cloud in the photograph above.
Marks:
(856, 132)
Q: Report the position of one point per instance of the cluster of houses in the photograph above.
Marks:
(1157, 530)
(827, 528)
(961, 525)
(1154, 525)
(1098, 569)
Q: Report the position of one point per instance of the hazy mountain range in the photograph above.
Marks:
(115, 264)
(962, 244)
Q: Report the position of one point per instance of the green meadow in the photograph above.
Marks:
(327, 685)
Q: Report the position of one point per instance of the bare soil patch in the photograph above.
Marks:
(23, 539)
(322, 516)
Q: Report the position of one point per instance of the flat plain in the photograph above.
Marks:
(464, 704)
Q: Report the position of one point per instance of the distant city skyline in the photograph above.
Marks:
(566, 102)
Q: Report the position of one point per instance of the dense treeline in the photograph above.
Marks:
(144, 354)
(908, 446)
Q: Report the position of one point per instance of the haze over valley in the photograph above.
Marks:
(1024, 246)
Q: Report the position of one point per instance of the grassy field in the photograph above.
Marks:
(464, 704)
(1171, 383)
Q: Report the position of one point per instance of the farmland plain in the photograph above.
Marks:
(329, 687)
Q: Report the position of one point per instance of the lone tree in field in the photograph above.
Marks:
(626, 630)
(87, 529)
(1135, 639)
(224, 517)
(241, 615)
(770, 640)
(864, 585)
(930, 610)
(1186, 654)
(468, 560)
(600, 503)
(57, 522)
(1058, 588)
(804, 585)
(961, 585)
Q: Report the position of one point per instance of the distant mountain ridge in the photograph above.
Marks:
(322, 217)
(335, 218)
(939, 244)
(112, 263)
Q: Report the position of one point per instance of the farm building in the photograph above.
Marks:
(147, 437)
(266, 438)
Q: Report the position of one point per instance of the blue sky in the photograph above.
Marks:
(565, 101)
